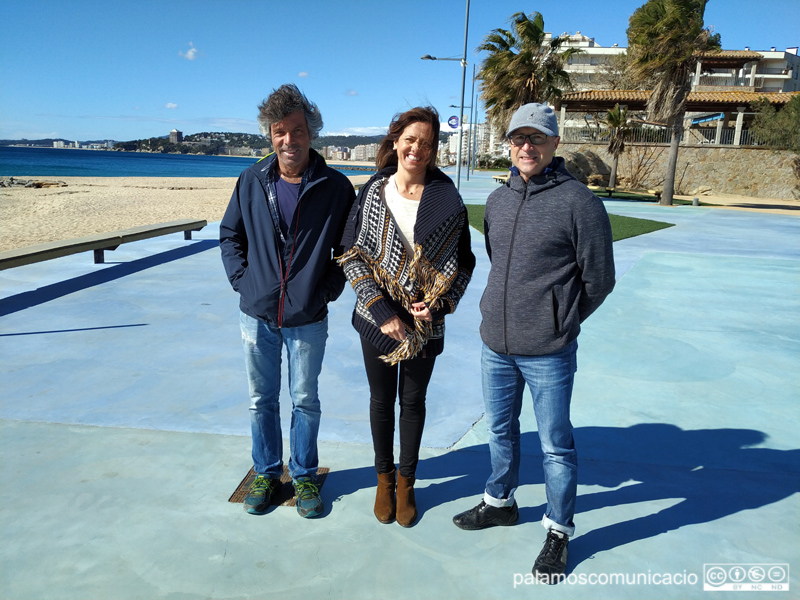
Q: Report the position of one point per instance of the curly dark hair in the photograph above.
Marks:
(284, 101)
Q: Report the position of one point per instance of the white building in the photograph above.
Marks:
(364, 152)
(585, 68)
(766, 70)
(756, 71)
(779, 70)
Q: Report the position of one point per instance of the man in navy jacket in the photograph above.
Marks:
(278, 237)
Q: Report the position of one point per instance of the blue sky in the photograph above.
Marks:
(128, 69)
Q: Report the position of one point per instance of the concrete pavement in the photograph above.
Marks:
(125, 430)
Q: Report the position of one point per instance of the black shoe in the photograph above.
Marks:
(484, 515)
(552, 560)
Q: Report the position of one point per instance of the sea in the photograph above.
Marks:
(23, 161)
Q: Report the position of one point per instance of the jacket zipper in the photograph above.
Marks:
(508, 264)
(285, 274)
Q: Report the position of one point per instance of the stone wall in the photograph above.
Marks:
(756, 172)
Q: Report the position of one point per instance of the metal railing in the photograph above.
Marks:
(774, 70)
(731, 81)
(726, 81)
(661, 135)
(638, 135)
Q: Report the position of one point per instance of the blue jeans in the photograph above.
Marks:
(305, 348)
(550, 381)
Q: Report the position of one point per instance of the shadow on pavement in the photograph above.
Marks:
(712, 473)
(54, 291)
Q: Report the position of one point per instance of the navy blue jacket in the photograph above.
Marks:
(286, 282)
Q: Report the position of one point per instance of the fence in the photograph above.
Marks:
(638, 135)
(731, 81)
(662, 135)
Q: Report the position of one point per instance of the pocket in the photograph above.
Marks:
(557, 294)
(237, 285)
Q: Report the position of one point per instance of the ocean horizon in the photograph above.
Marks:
(22, 161)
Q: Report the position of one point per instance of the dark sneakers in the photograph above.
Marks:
(309, 503)
(261, 493)
(485, 515)
(552, 560)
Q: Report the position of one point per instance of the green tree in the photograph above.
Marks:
(616, 74)
(617, 121)
(778, 128)
(664, 39)
(522, 66)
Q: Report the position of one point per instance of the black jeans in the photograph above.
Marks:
(409, 379)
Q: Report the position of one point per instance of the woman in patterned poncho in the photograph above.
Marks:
(409, 260)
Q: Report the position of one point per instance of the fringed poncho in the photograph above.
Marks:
(387, 280)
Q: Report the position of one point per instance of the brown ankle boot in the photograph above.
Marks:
(406, 502)
(384, 498)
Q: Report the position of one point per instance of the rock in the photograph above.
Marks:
(703, 189)
(29, 183)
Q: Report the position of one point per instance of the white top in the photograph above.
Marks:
(404, 212)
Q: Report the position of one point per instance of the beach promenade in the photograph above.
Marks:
(124, 431)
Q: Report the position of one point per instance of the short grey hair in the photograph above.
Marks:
(284, 101)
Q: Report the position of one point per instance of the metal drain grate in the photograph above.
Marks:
(285, 494)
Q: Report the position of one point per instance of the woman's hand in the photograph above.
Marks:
(420, 311)
(394, 328)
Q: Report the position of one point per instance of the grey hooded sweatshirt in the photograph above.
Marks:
(550, 245)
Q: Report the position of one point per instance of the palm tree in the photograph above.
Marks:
(664, 39)
(523, 66)
(617, 121)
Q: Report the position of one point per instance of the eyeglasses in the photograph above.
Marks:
(535, 139)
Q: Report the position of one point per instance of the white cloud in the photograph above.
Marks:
(227, 124)
(303, 74)
(32, 134)
(170, 105)
(351, 93)
(190, 54)
(358, 131)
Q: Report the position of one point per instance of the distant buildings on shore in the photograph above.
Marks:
(727, 73)
(362, 152)
(107, 145)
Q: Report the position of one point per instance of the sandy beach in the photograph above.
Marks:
(89, 205)
(98, 204)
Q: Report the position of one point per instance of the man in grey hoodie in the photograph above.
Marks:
(549, 240)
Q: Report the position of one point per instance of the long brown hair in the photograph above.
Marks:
(387, 156)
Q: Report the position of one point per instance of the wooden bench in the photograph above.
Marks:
(99, 243)
(501, 178)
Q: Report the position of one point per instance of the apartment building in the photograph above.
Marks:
(364, 152)
(724, 85)
(767, 71)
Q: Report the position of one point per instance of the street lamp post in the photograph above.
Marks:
(472, 132)
(463, 61)
(474, 113)
(469, 135)
(475, 136)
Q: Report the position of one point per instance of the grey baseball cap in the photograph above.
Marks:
(538, 116)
